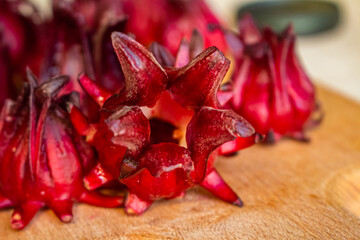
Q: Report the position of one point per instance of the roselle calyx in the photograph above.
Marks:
(155, 166)
(271, 89)
(42, 160)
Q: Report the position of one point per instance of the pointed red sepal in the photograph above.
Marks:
(196, 44)
(33, 150)
(162, 54)
(145, 79)
(36, 143)
(63, 209)
(183, 54)
(79, 120)
(234, 43)
(210, 128)
(97, 178)
(22, 215)
(214, 183)
(197, 83)
(97, 93)
(51, 88)
(250, 33)
(100, 200)
(136, 206)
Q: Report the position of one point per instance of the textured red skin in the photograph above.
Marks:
(145, 79)
(159, 170)
(167, 170)
(127, 131)
(271, 89)
(40, 163)
(168, 109)
(209, 68)
(169, 21)
(156, 180)
(119, 136)
(219, 127)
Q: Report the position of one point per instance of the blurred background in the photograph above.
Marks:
(331, 57)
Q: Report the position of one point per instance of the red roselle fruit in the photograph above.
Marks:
(42, 160)
(271, 89)
(169, 21)
(153, 165)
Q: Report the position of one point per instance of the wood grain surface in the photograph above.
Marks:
(291, 191)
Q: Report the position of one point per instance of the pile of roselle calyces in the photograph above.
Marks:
(136, 95)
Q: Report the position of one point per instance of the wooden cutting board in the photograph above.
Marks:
(291, 191)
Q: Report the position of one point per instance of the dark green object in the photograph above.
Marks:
(307, 16)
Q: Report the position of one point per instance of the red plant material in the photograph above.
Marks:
(40, 162)
(271, 89)
(169, 21)
(154, 166)
(77, 38)
(145, 80)
(18, 32)
(209, 68)
(18, 47)
(5, 73)
(225, 126)
(169, 110)
(95, 21)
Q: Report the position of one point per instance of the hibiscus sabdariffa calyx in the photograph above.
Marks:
(42, 159)
(150, 167)
(271, 89)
